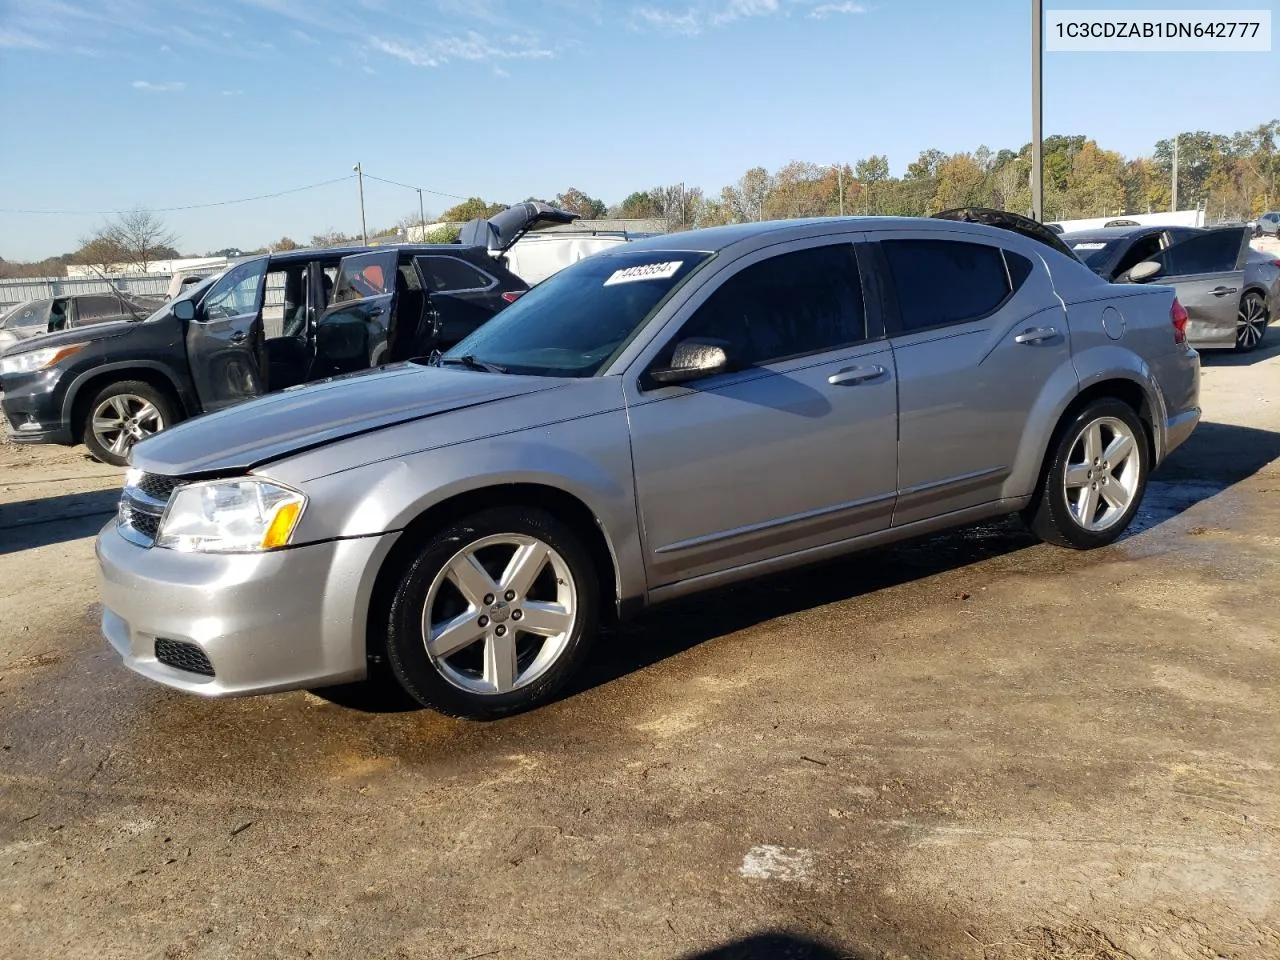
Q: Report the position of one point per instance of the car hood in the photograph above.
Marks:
(251, 434)
(62, 338)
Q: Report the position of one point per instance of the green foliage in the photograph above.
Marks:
(472, 209)
(442, 235)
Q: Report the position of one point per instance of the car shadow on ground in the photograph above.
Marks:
(28, 524)
(1215, 457)
(1269, 348)
(772, 946)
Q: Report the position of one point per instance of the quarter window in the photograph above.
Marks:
(790, 305)
(449, 274)
(941, 282)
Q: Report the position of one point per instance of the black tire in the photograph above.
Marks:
(1050, 515)
(1251, 305)
(128, 392)
(407, 654)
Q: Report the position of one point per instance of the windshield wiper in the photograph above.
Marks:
(468, 361)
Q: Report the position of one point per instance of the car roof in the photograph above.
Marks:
(313, 253)
(719, 239)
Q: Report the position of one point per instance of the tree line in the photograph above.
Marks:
(1232, 176)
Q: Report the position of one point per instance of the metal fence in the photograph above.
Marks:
(23, 289)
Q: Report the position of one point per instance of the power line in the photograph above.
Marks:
(191, 206)
(396, 183)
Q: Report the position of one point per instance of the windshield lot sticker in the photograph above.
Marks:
(649, 271)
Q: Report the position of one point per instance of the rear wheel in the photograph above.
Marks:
(120, 415)
(494, 615)
(1251, 322)
(1095, 478)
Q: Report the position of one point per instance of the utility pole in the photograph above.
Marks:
(364, 232)
(1174, 207)
(1037, 108)
(840, 168)
(422, 216)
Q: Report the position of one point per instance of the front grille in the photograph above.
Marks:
(142, 505)
(183, 656)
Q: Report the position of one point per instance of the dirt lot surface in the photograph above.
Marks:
(975, 747)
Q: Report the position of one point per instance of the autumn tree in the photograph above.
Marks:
(575, 201)
(284, 243)
(871, 171)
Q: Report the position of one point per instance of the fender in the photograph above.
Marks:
(182, 386)
(588, 462)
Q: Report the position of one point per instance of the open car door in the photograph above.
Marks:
(1025, 226)
(1207, 271)
(499, 232)
(353, 332)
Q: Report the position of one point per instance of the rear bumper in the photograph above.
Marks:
(292, 619)
(1178, 428)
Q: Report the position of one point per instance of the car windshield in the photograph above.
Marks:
(1094, 253)
(575, 321)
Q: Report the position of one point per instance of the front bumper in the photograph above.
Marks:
(32, 409)
(287, 620)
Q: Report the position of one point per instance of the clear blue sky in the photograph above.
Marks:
(106, 104)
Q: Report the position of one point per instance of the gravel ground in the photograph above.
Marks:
(975, 746)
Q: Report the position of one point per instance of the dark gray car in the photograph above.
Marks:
(1230, 290)
(684, 412)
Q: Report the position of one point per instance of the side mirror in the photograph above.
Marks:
(692, 359)
(184, 310)
(1143, 271)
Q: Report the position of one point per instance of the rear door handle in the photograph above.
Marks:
(851, 375)
(1035, 335)
(1222, 291)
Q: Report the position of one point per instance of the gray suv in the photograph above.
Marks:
(684, 412)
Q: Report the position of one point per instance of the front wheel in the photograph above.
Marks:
(494, 614)
(1251, 322)
(120, 415)
(1095, 478)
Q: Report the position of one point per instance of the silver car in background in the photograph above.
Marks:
(684, 412)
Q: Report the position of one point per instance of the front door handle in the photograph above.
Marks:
(375, 312)
(851, 375)
(1222, 291)
(239, 336)
(1035, 335)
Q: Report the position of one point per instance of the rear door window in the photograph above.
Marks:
(944, 282)
(96, 308)
(365, 275)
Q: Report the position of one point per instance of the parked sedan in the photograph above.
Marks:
(676, 414)
(1230, 290)
(53, 314)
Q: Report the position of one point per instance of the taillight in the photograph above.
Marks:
(1275, 263)
(511, 296)
(1178, 316)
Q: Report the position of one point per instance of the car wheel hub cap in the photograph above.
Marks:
(1101, 476)
(499, 614)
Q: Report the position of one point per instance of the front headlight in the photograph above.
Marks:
(30, 360)
(230, 516)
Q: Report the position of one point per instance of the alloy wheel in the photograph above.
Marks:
(1102, 473)
(499, 614)
(1251, 322)
(123, 419)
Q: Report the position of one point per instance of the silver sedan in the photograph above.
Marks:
(684, 412)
